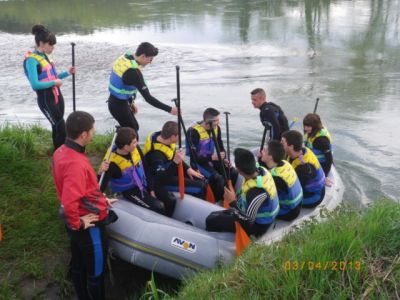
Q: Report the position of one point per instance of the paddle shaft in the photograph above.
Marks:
(316, 105)
(218, 152)
(73, 78)
(228, 153)
(178, 105)
(266, 128)
(108, 155)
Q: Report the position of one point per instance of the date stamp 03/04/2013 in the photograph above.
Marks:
(328, 265)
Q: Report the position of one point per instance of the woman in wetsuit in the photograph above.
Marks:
(43, 77)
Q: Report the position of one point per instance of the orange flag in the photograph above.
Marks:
(1, 233)
(181, 180)
(209, 194)
(230, 186)
(242, 239)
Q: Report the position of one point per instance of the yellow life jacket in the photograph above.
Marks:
(152, 144)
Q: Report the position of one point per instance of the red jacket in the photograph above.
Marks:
(76, 184)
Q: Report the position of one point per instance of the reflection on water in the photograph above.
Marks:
(345, 52)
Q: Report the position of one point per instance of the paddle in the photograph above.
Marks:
(181, 175)
(109, 153)
(295, 119)
(316, 105)
(266, 128)
(230, 185)
(73, 77)
(193, 163)
(218, 151)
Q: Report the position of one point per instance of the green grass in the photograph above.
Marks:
(34, 245)
(368, 242)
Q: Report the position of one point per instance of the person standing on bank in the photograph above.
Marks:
(271, 115)
(125, 80)
(85, 208)
(45, 81)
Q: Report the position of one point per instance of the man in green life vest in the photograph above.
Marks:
(125, 80)
(287, 183)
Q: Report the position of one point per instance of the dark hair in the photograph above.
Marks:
(169, 129)
(294, 138)
(146, 49)
(276, 150)
(210, 113)
(314, 121)
(125, 136)
(42, 34)
(78, 122)
(245, 161)
(257, 91)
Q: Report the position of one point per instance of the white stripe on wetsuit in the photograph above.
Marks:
(255, 205)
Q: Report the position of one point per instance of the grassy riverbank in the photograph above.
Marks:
(307, 264)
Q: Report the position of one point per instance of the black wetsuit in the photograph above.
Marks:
(272, 115)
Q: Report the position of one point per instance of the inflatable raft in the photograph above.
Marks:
(180, 246)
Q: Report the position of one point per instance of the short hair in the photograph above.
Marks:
(210, 113)
(276, 150)
(42, 34)
(314, 121)
(258, 91)
(146, 49)
(294, 138)
(77, 123)
(125, 136)
(169, 129)
(245, 161)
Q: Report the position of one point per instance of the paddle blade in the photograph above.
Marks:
(242, 239)
(181, 180)
(209, 194)
(1, 233)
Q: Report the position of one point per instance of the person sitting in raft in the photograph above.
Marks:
(127, 174)
(163, 158)
(287, 183)
(206, 160)
(257, 205)
(318, 139)
(307, 167)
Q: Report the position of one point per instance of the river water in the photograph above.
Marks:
(344, 52)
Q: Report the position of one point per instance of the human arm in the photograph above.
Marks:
(268, 118)
(194, 140)
(322, 143)
(112, 171)
(305, 173)
(135, 77)
(65, 74)
(32, 71)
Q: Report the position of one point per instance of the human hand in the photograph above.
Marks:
(192, 173)
(328, 182)
(111, 201)
(174, 111)
(153, 194)
(214, 157)
(72, 70)
(179, 156)
(58, 82)
(87, 220)
(229, 195)
(134, 108)
(104, 166)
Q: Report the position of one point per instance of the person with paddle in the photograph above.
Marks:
(127, 173)
(318, 139)
(125, 80)
(45, 81)
(163, 159)
(307, 167)
(287, 183)
(201, 140)
(85, 209)
(271, 115)
(257, 205)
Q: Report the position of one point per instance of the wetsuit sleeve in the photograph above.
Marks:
(113, 172)
(268, 118)
(322, 143)
(159, 165)
(135, 77)
(194, 140)
(63, 75)
(219, 140)
(31, 68)
(305, 173)
(255, 198)
(280, 184)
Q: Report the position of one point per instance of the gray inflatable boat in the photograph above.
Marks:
(180, 246)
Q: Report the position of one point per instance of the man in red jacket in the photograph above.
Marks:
(85, 207)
